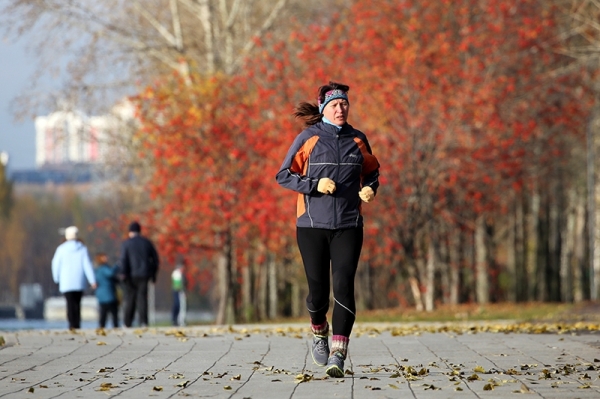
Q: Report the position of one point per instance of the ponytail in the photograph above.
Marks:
(309, 113)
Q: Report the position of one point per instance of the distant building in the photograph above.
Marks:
(71, 137)
(72, 148)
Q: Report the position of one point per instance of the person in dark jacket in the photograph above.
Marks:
(139, 265)
(106, 290)
(331, 167)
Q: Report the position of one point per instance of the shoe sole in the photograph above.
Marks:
(335, 371)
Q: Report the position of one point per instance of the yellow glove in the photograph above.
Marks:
(366, 194)
(326, 186)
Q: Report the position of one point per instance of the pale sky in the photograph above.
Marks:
(18, 139)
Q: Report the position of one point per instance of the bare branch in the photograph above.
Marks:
(157, 25)
(251, 42)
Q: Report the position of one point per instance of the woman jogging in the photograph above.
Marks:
(331, 166)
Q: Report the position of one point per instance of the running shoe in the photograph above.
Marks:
(320, 350)
(335, 365)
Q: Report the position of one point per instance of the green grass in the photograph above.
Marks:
(516, 312)
(522, 312)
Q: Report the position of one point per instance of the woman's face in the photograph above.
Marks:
(336, 111)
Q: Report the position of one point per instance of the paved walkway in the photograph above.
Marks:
(385, 361)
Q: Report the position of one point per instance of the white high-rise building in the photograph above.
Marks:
(69, 137)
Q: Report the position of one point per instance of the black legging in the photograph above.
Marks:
(74, 308)
(340, 249)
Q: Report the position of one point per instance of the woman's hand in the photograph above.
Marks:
(326, 186)
(366, 194)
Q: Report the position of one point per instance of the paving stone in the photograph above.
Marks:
(275, 362)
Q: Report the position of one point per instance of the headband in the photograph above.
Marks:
(332, 95)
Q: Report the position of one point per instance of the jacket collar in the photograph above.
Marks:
(332, 130)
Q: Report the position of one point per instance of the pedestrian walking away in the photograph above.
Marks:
(106, 290)
(332, 168)
(139, 265)
(72, 270)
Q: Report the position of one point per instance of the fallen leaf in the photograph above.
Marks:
(525, 389)
(106, 385)
(303, 378)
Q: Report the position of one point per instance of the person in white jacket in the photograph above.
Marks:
(72, 269)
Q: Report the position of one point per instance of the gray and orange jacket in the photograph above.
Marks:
(344, 156)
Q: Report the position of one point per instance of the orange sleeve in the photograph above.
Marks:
(370, 163)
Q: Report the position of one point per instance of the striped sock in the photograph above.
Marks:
(339, 343)
(320, 329)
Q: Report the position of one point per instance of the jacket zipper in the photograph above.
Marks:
(337, 179)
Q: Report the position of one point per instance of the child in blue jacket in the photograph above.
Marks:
(106, 291)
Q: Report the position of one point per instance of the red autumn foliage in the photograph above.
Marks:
(456, 97)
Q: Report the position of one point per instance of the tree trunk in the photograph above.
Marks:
(532, 244)
(296, 299)
(520, 245)
(579, 261)
(430, 283)
(511, 257)
(223, 283)
(416, 291)
(225, 313)
(481, 267)
(542, 258)
(272, 276)
(444, 266)
(248, 313)
(262, 291)
(553, 282)
(593, 193)
(454, 266)
(566, 255)
(363, 286)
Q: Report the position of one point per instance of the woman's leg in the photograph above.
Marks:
(70, 301)
(77, 308)
(345, 252)
(314, 248)
(73, 299)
